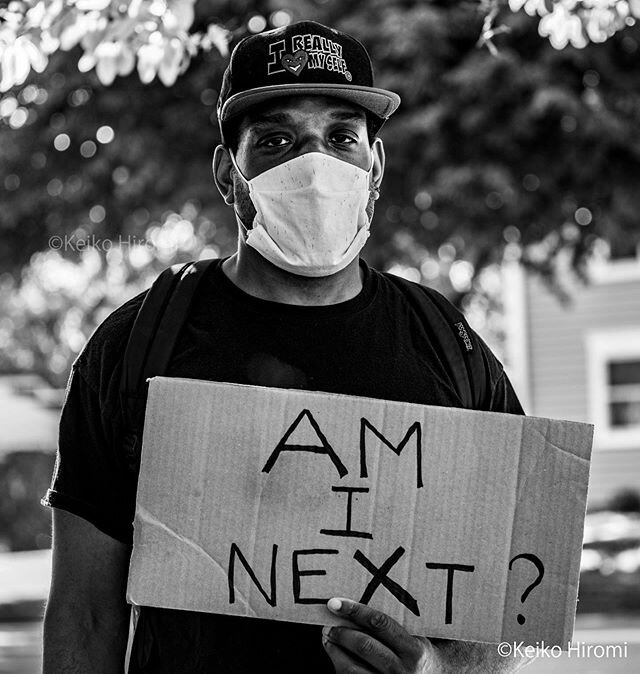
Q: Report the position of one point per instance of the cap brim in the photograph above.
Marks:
(379, 102)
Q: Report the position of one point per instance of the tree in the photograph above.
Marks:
(532, 146)
(155, 35)
(578, 22)
(519, 149)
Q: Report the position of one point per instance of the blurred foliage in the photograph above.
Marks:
(518, 150)
(579, 22)
(115, 35)
(47, 316)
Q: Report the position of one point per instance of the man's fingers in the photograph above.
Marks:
(366, 647)
(377, 623)
(343, 661)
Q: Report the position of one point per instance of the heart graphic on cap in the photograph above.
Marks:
(294, 63)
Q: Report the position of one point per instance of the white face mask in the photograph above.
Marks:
(311, 214)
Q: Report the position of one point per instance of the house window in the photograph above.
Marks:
(624, 393)
(614, 387)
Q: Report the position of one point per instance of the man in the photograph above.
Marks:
(293, 308)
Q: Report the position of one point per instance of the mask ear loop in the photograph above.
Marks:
(374, 188)
(245, 229)
(235, 166)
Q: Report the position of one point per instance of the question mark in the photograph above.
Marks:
(540, 567)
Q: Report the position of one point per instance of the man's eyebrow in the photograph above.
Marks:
(348, 115)
(265, 118)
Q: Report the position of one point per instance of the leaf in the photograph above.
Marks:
(220, 38)
(121, 29)
(92, 5)
(87, 62)
(170, 64)
(21, 65)
(59, 25)
(36, 57)
(126, 60)
(72, 34)
(7, 68)
(183, 11)
(149, 58)
(106, 69)
(91, 40)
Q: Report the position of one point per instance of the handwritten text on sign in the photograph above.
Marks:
(267, 502)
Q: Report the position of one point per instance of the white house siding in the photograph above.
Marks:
(557, 372)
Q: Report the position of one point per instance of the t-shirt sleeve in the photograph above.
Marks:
(504, 398)
(90, 477)
(500, 394)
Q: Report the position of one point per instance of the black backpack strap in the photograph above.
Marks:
(175, 316)
(151, 342)
(455, 340)
(141, 337)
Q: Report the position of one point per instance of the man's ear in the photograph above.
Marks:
(377, 149)
(222, 168)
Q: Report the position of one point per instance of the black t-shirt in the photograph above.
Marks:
(374, 345)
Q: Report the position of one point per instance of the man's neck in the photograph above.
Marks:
(248, 270)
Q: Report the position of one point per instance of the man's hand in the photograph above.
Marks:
(376, 644)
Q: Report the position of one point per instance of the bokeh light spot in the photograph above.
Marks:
(62, 142)
(591, 78)
(280, 18)
(105, 134)
(568, 123)
(494, 200)
(583, 216)
(256, 24)
(8, 105)
(120, 175)
(531, 182)
(54, 187)
(11, 182)
(97, 213)
(18, 118)
(447, 252)
(461, 275)
(429, 220)
(39, 160)
(209, 97)
(88, 149)
(423, 200)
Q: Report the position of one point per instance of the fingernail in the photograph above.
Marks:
(334, 604)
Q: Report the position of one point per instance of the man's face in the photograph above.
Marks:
(286, 128)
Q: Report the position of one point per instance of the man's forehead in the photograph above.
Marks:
(293, 108)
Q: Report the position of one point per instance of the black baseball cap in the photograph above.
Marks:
(300, 59)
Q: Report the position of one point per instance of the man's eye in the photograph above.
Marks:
(275, 141)
(343, 138)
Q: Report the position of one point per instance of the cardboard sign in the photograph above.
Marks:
(267, 502)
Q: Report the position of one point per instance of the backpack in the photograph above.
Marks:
(166, 306)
